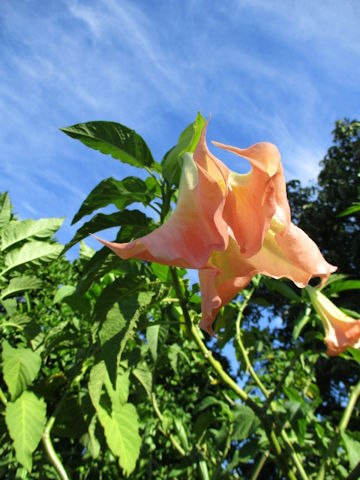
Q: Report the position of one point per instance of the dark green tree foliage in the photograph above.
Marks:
(317, 209)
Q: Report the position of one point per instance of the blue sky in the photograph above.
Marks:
(266, 70)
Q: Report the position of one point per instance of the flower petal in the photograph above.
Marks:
(256, 197)
(196, 227)
(292, 255)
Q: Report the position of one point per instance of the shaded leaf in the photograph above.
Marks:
(245, 422)
(155, 337)
(121, 193)
(281, 287)
(101, 222)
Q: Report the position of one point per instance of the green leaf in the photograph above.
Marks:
(122, 434)
(300, 323)
(348, 211)
(32, 253)
(281, 287)
(245, 422)
(188, 140)
(103, 262)
(20, 368)
(20, 284)
(96, 382)
(114, 139)
(145, 377)
(352, 449)
(89, 440)
(17, 231)
(86, 253)
(63, 292)
(120, 325)
(120, 193)
(155, 337)
(25, 419)
(341, 286)
(5, 209)
(101, 222)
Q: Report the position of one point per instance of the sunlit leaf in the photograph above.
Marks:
(20, 368)
(17, 231)
(25, 419)
(20, 284)
(188, 140)
(32, 253)
(114, 139)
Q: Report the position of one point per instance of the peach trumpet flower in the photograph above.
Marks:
(341, 331)
(230, 227)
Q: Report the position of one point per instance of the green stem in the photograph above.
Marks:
(260, 465)
(242, 347)
(171, 437)
(344, 422)
(46, 438)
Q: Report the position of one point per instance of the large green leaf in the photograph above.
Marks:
(5, 209)
(20, 368)
(32, 253)
(119, 326)
(188, 140)
(122, 434)
(25, 419)
(17, 231)
(114, 139)
(101, 222)
(120, 193)
(20, 284)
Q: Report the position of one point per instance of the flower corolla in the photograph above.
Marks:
(230, 227)
(341, 331)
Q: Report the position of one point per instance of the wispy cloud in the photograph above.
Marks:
(264, 70)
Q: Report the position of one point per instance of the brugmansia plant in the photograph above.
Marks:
(109, 361)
